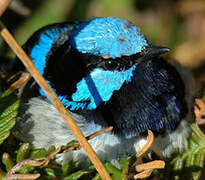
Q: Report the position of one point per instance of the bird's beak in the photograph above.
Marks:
(151, 51)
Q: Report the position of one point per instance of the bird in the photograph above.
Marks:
(106, 73)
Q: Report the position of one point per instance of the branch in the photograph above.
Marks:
(51, 95)
(3, 6)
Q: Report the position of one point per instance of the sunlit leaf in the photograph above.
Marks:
(9, 105)
(190, 163)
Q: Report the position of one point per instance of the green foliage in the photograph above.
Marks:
(22, 153)
(189, 164)
(184, 166)
(79, 174)
(7, 161)
(122, 173)
(91, 173)
(9, 104)
(68, 171)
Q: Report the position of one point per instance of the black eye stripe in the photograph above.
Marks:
(111, 65)
(123, 62)
(127, 61)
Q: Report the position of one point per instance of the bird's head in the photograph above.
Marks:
(117, 41)
(102, 55)
(117, 47)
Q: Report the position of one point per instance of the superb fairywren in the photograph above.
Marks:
(106, 73)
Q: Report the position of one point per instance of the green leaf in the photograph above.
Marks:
(97, 177)
(26, 169)
(77, 175)
(124, 163)
(72, 144)
(199, 162)
(67, 168)
(50, 172)
(9, 105)
(2, 174)
(190, 163)
(7, 161)
(51, 149)
(22, 152)
(8, 126)
(4, 136)
(115, 172)
(38, 153)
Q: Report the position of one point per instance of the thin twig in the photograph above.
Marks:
(19, 82)
(3, 6)
(199, 111)
(39, 162)
(143, 174)
(145, 169)
(99, 133)
(73, 145)
(148, 144)
(22, 176)
(18, 7)
(157, 164)
(142, 152)
(25, 162)
(53, 98)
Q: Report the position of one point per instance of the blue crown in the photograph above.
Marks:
(107, 37)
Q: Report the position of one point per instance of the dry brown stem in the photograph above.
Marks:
(51, 95)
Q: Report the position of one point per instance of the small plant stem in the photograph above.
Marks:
(51, 95)
(3, 6)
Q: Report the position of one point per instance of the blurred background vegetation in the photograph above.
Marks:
(178, 24)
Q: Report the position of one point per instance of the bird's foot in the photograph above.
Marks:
(144, 170)
(199, 111)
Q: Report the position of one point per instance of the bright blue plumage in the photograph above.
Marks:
(99, 36)
(154, 102)
(99, 86)
(108, 37)
(107, 74)
(100, 77)
(41, 49)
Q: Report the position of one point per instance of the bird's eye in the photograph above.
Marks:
(111, 65)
